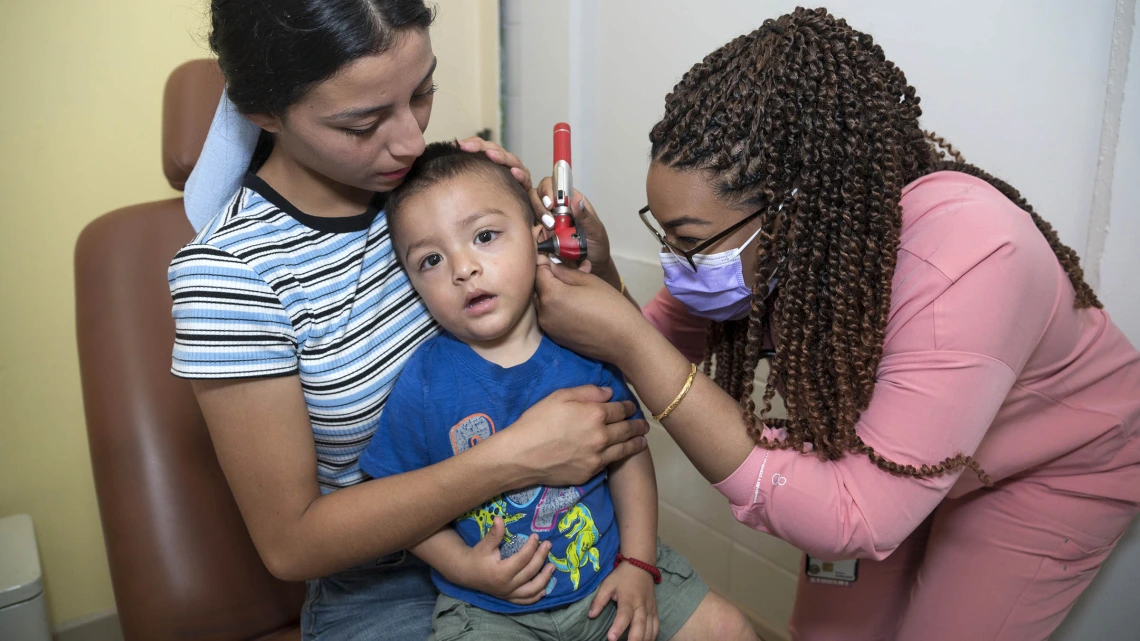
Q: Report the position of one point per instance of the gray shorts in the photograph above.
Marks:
(680, 592)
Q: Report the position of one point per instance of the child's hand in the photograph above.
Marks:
(632, 589)
(520, 579)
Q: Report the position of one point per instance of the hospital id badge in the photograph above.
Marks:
(840, 573)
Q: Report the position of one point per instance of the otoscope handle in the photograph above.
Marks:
(562, 143)
(561, 176)
(564, 241)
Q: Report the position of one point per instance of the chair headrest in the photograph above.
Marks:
(192, 94)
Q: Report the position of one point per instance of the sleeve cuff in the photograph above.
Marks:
(741, 487)
(196, 375)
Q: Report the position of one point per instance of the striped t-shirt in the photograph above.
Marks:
(267, 290)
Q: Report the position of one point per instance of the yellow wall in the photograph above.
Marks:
(465, 39)
(80, 123)
(80, 116)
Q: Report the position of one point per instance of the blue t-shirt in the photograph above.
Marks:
(447, 399)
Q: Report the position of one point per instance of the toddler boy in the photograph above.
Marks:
(463, 229)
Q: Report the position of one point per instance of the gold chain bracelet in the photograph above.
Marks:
(680, 397)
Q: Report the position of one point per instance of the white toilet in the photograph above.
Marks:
(23, 613)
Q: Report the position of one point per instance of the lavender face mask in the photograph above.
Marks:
(715, 291)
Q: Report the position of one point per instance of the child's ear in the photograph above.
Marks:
(540, 234)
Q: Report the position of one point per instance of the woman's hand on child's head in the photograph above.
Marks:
(520, 578)
(496, 152)
(633, 590)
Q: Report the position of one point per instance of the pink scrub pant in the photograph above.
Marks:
(1004, 564)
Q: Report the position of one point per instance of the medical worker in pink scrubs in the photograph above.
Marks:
(962, 415)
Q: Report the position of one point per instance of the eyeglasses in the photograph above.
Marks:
(687, 254)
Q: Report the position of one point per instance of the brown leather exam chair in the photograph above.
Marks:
(182, 563)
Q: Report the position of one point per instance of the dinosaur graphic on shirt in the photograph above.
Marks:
(578, 526)
(484, 517)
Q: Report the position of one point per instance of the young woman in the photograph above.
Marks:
(961, 413)
(294, 318)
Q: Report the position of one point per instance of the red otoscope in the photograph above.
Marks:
(564, 242)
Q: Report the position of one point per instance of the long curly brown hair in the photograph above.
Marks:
(807, 102)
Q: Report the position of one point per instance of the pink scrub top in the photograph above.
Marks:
(984, 355)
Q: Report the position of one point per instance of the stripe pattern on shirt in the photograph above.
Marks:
(258, 293)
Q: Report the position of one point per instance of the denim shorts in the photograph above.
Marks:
(391, 598)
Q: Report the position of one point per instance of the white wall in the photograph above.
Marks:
(1120, 265)
(1019, 86)
(1107, 610)
(535, 79)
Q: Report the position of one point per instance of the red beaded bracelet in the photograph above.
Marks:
(639, 564)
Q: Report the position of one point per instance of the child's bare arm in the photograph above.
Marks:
(520, 579)
(633, 489)
(446, 552)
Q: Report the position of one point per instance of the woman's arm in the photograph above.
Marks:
(708, 425)
(585, 315)
(685, 331)
(845, 508)
(927, 406)
(263, 439)
(933, 399)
